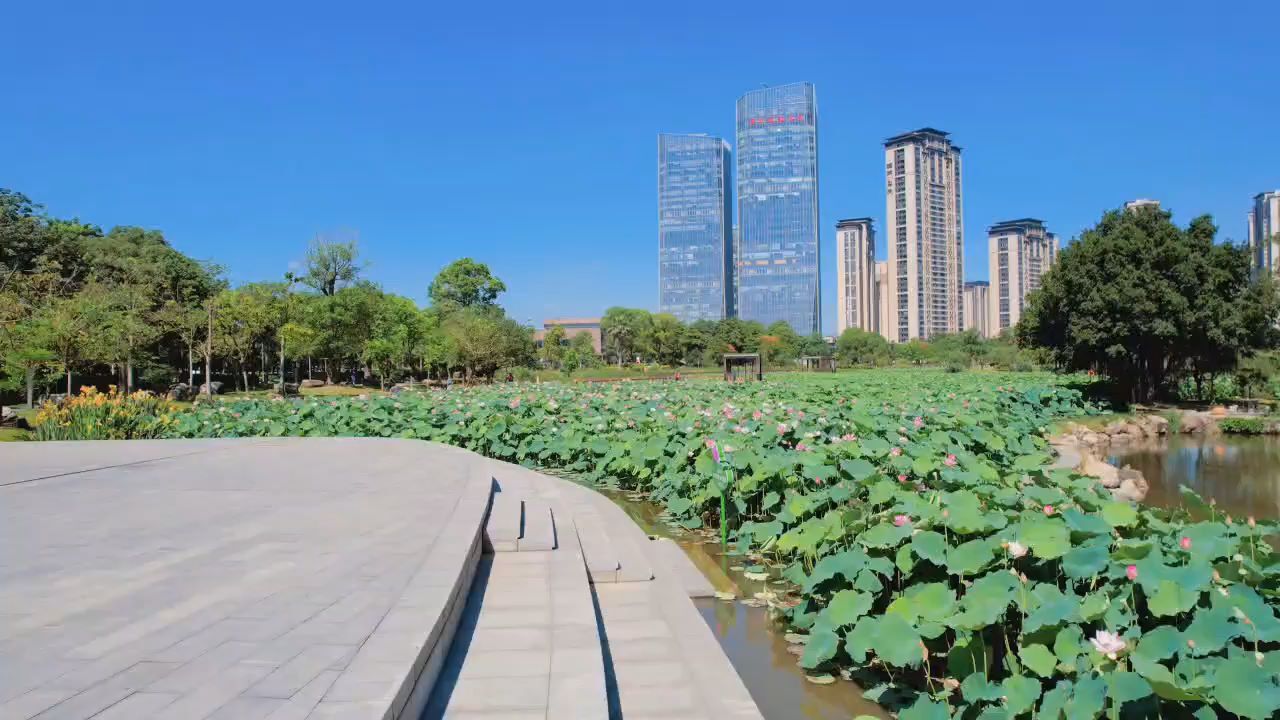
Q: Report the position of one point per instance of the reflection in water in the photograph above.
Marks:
(1241, 473)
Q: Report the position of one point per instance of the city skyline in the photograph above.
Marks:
(419, 136)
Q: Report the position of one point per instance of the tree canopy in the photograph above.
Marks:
(1145, 302)
(464, 283)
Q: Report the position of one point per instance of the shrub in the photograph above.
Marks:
(112, 415)
(1243, 426)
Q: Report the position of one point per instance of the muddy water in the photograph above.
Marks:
(753, 641)
(1241, 473)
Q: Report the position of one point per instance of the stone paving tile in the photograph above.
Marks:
(226, 579)
(138, 705)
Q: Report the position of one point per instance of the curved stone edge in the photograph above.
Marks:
(393, 673)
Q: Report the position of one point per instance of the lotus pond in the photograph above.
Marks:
(925, 547)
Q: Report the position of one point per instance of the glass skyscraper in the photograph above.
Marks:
(695, 228)
(778, 207)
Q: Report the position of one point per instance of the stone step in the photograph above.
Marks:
(670, 560)
(599, 553)
(539, 527)
(503, 528)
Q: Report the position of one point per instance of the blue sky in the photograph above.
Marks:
(524, 135)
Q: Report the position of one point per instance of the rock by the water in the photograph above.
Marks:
(180, 392)
(1106, 473)
(1197, 422)
(286, 390)
(1133, 486)
(217, 387)
(1157, 424)
(310, 383)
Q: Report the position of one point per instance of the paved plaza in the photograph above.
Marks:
(301, 578)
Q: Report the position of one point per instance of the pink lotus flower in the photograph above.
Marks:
(818, 480)
(849, 437)
(1108, 643)
(950, 461)
(966, 404)
(918, 422)
(896, 451)
(802, 447)
(900, 520)
(1017, 549)
(757, 415)
(902, 478)
(1131, 572)
(1048, 509)
(1185, 543)
(715, 451)
(782, 428)
(514, 403)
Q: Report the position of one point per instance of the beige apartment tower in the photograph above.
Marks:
(855, 275)
(882, 298)
(925, 235)
(1264, 233)
(976, 301)
(1021, 252)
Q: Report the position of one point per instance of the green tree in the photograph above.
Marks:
(780, 343)
(856, 346)
(667, 339)
(484, 339)
(584, 350)
(464, 283)
(242, 317)
(1145, 303)
(553, 347)
(627, 333)
(330, 265)
(394, 334)
(914, 351)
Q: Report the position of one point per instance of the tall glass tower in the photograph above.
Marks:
(778, 264)
(695, 228)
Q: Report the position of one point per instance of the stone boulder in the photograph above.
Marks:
(1197, 422)
(1133, 486)
(181, 392)
(1124, 430)
(286, 390)
(1156, 424)
(1106, 473)
(9, 418)
(217, 388)
(310, 383)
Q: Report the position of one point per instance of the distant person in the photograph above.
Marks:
(448, 382)
(677, 376)
(510, 377)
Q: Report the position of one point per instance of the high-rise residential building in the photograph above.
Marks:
(855, 275)
(1141, 203)
(925, 235)
(976, 300)
(882, 298)
(695, 221)
(1021, 252)
(778, 264)
(1264, 232)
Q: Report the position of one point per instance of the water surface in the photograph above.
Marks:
(1241, 473)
